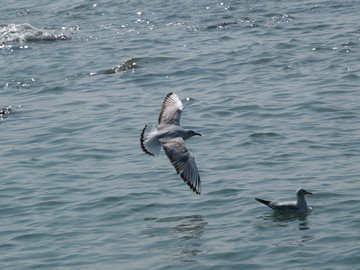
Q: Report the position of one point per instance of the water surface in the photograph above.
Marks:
(273, 87)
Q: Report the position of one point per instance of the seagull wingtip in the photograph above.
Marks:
(142, 142)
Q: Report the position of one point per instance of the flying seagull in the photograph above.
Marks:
(171, 137)
(299, 206)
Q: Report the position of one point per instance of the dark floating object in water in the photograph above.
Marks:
(5, 110)
(127, 66)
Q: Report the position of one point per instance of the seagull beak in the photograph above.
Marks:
(197, 134)
(310, 193)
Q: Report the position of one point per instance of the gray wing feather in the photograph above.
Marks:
(171, 110)
(283, 207)
(278, 206)
(183, 162)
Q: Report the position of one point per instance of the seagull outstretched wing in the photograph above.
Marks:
(171, 110)
(183, 162)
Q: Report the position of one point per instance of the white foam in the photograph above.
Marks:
(27, 32)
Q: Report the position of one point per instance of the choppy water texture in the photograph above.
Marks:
(273, 86)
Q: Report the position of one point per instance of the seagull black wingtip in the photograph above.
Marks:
(142, 142)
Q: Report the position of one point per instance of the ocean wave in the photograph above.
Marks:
(26, 32)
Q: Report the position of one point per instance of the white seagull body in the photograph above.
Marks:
(171, 137)
(299, 206)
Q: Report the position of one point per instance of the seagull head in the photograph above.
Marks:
(192, 133)
(302, 192)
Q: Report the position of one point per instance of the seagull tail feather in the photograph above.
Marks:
(263, 201)
(148, 141)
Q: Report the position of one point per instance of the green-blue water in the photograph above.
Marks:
(273, 87)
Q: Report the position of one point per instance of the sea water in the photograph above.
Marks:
(273, 87)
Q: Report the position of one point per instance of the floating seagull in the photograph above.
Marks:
(300, 206)
(171, 137)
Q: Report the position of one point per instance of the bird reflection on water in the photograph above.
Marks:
(179, 235)
(284, 220)
(287, 224)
